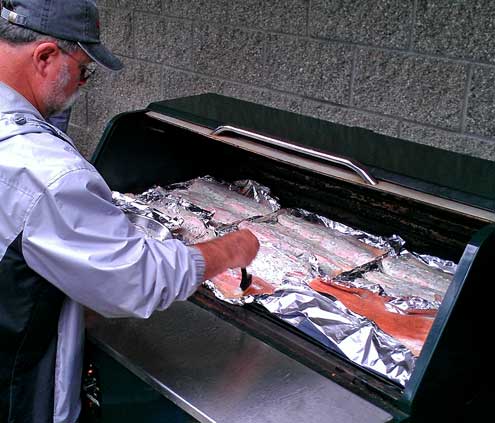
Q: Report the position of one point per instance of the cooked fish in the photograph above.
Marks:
(410, 329)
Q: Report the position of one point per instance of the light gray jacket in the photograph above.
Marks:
(75, 238)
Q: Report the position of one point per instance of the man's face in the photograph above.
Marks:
(63, 89)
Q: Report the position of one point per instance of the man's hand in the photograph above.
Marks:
(236, 249)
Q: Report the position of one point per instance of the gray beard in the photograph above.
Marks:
(65, 105)
(57, 100)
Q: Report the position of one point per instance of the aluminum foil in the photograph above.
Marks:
(422, 282)
(150, 228)
(160, 196)
(260, 193)
(411, 304)
(327, 264)
(129, 203)
(245, 299)
(420, 298)
(134, 204)
(194, 222)
(187, 221)
(247, 187)
(446, 266)
(341, 330)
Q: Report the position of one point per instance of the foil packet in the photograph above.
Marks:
(131, 204)
(176, 206)
(228, 203)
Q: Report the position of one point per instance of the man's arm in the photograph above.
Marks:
(84, 245)
(236, 249)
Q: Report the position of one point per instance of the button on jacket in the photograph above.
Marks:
(63, 244)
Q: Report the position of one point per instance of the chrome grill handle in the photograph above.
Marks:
(349, 163)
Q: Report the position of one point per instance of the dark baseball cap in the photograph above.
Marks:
(71, 20)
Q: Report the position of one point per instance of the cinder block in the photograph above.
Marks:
(383, 23)
(351, 117)
(207, 10)
(412, 87)
(79, 112)
(480, 117)
(142, 5)
(315, 69)
(116, 31)
(461, 29)
(178, 83)
(286, 16)
(163, 40)
(449, 141)
(228, 53)
(137, 85)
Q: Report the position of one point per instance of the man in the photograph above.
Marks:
(63, 244)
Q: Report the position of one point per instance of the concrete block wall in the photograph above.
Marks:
(422, 70)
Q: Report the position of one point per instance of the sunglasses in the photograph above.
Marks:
(86, 70)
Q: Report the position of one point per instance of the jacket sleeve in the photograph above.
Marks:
(80, 242)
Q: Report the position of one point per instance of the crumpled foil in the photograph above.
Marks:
(186, 220)
(306, 257)
(246, 187)
(260, 193)
(158, 194)
(245, 299)
(193, 222)
(422, 296)
(406, 305)
(446, 266)
(339, 329)
(135, 205)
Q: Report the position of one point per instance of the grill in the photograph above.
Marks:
(442, 203)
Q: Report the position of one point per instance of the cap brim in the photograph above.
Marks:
(101, 55)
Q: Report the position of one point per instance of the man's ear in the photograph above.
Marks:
(44, 56)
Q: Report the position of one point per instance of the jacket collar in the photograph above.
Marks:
(15, 106)
(13, 102)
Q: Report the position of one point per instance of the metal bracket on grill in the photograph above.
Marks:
(349, 163)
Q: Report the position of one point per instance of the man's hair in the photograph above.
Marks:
(15, 34)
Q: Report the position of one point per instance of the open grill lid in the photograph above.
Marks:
(453, 368)
(425, 169)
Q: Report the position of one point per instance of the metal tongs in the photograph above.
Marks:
(246, 279)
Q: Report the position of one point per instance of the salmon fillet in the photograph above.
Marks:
(354, 251)
(291, 244)
(226, 205)
(334, 252)
(410, 329)
(412, 272)
(271, 267)
(394, 286)
(228, 284)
